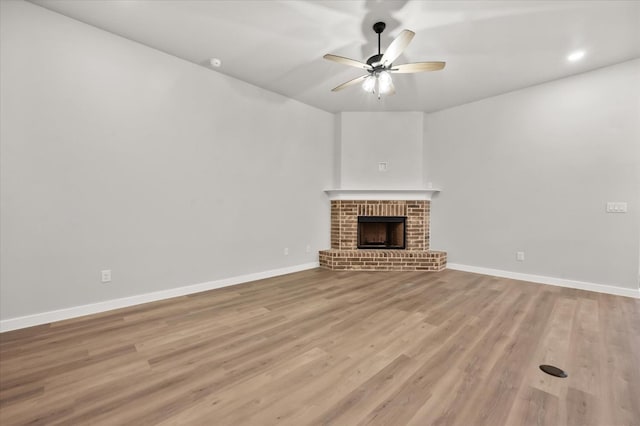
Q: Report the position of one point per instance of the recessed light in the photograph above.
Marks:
(576, 56)
(215, 62)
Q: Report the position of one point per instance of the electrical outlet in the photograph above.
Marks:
(383, 166)
(308, 248)
(520, 256)
(286, 251)
(106, 275)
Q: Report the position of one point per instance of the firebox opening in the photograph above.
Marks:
(381, 232)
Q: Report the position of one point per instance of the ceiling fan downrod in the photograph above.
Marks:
(378, 28)
(374, 85)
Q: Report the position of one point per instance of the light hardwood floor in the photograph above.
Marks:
(336, 348)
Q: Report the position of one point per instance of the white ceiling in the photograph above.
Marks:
(490, 47)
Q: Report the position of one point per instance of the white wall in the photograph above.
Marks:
(532, 171)
(117, 156)
(368, 138)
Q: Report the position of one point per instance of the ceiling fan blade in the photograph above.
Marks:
(417, 67)
(347, 61)
(397, 46)
(350, 83)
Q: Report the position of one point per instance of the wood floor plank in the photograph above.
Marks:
(260, 390)
(454, 389)
(535, 407)
(335, 348)
(369, 394)
(491, 404)
(402, 405)
(585, 353)
(620, 373)
(553, 349)
(581, 408)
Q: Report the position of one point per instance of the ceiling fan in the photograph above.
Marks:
(380, 66)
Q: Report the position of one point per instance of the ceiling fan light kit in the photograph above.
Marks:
(378, 83)
(380, 66)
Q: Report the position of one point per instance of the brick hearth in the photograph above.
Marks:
(345, 255)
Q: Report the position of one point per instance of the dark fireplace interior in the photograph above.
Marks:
(381, 232)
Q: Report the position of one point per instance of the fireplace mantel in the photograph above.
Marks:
(381, 194)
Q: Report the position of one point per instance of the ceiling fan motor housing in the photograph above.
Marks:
(375, 58)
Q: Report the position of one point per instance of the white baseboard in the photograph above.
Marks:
(94, 308)
(560, 282)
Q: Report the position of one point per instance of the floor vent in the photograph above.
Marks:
(554, 371)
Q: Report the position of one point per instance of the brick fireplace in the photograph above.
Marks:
(384, 253)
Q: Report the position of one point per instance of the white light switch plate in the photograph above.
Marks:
(616, 207)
